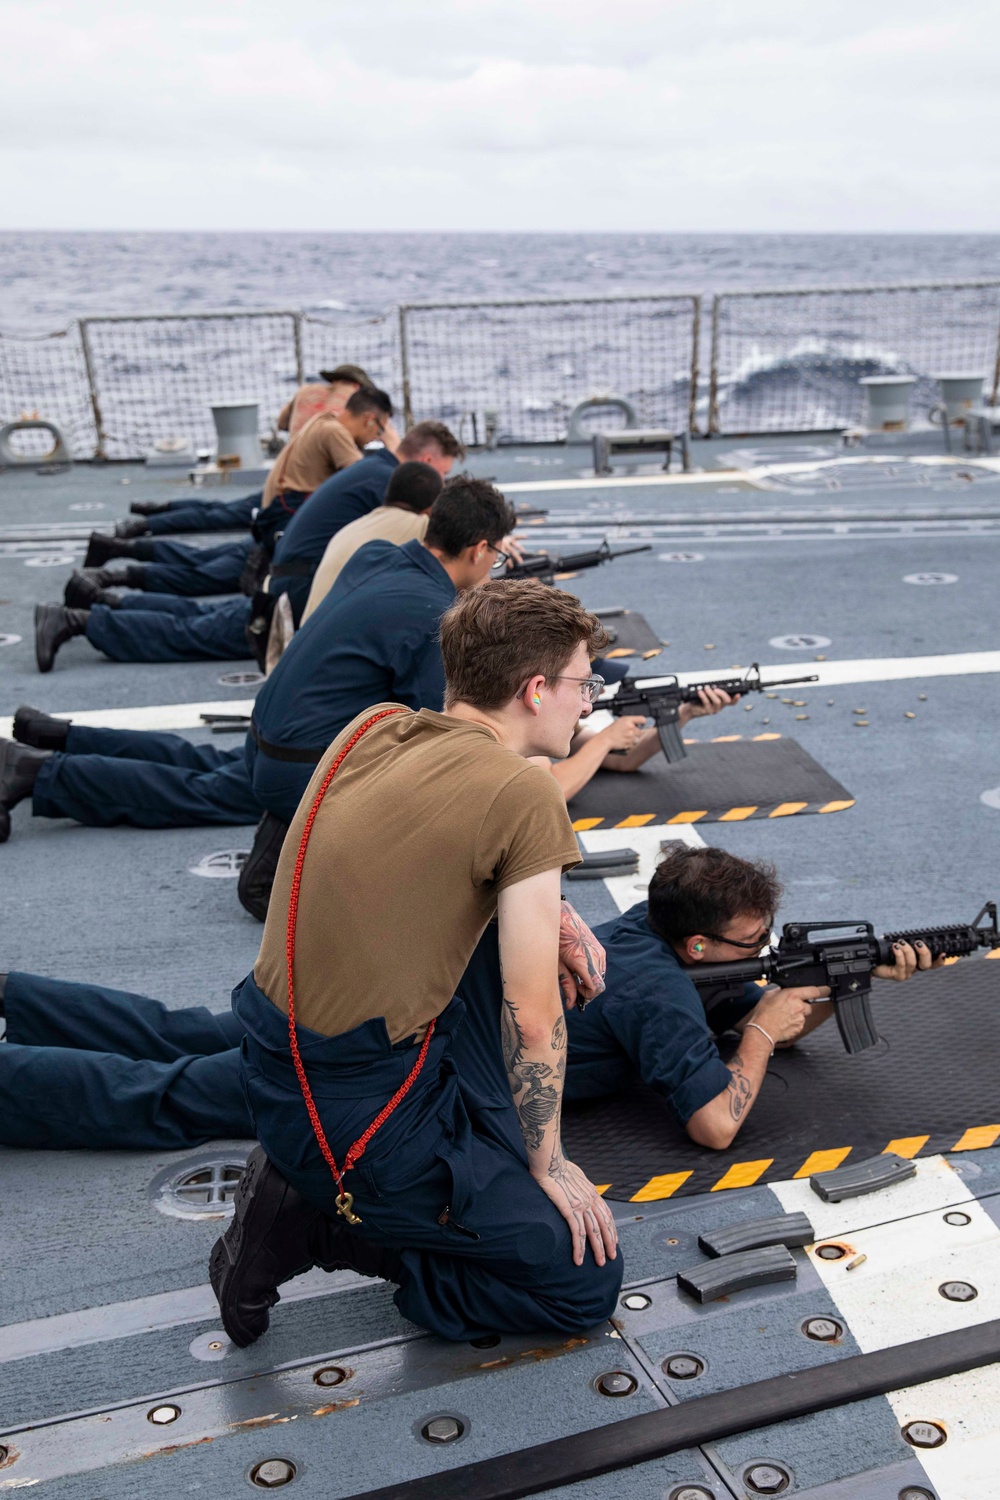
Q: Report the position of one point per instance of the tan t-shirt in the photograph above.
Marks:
(316, 451)
(427, 820)
(309, 400)
(388, 523)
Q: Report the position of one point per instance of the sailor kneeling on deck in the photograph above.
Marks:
(387, 1152)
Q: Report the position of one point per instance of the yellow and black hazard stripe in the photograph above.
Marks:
(742, 1174)
(716, 813)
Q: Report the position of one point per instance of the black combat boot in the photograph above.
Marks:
(149, 507)
(54, 626)
(33, 727)
(267, 1243)
(275, 1235)
(101, 549)
(89, 586)
(131, 526)
(19, 768)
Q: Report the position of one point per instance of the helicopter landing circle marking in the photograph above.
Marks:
(799, 642)
(930, 578)
(59, 560)
(682, 557)
(991, 798)
(221, 864)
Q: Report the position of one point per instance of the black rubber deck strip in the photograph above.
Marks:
(705, 1419)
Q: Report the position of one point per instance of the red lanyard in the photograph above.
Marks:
(345, 1200)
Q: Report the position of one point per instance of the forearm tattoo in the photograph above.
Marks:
(535, 1083)
(739, 1090)
(579, 950)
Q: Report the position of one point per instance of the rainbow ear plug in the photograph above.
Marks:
(699, 947)
(537, 701)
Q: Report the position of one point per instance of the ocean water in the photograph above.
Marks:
(782, 363)
(48, 278)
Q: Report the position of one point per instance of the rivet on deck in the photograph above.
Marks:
(958, 1291)
(442, 1430)
(823, 1330)
(924, 1434)
(767, 1479)
(272, 1473)
(616, 1383)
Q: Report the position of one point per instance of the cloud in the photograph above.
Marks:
(548, 114)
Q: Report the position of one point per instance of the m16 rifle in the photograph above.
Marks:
(545, 565)
(661, 700)
(842, 956)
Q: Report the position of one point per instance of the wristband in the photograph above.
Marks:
(762, 1032)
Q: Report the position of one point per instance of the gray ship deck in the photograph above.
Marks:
(105, 1312)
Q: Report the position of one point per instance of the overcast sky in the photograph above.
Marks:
(500, 114)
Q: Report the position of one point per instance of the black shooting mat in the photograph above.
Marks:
(725, 780)
(631, 636)
(929, 1086)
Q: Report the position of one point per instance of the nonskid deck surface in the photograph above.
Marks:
(120, 906)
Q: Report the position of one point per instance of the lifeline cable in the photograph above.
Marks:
(355, 1152)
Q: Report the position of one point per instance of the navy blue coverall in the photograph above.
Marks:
(649, 1023)
(344, 497)
(145, 778)
(205, 515)
(91, 1067)
(168, 627)
(164, 567)
(446, 1177)
(373, 639)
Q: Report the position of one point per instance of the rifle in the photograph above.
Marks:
(545, 565)
(661, 701)
(843, 960)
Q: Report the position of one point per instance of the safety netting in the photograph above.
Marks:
(792, 360)
(513, 371)
(45, 375)
(158, 377)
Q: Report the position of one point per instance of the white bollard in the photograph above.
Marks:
(236, 434)
(959, 394)
(888, 401)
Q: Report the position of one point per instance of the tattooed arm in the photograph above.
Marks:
(533, 1036)
(717, 1122)
(784, 1015)
(582, 960)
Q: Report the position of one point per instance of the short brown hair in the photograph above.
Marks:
(352, 373)
(703, 890)
(498, 635)
(431, 432)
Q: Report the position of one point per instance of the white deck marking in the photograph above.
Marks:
(831, 674)
(865, 669)
(626, 890)
(893, 1298)
(193, 1304)
(755, 478)
(161, 716)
